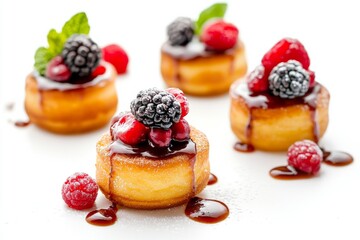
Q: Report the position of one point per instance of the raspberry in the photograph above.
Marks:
(257, 80)
(220, 36)
(98, 71)
(56, 70)
(79, 191)
(128, 130)
(312, 78)
(180, 97)
(305, 156)
(286, 49)
(181, 130)
(117, 56)
(160, 137)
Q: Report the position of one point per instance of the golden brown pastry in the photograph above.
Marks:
(152, 159)
(280, 103)
(75, 109)
(71, 89)
(203, 57)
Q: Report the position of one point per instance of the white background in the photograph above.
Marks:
(34, 163)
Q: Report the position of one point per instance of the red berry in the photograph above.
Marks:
(160, 137)
(79, 191)
(117, 56)
(129, 130)
(180, 97)
(99, 70)
(286, 49)
(56, 70)
(181, 130)
(312, 78)
(220, 35)
(257, 80)
(305, 156)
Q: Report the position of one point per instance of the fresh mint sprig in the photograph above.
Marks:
(76, 24)
(216, 10)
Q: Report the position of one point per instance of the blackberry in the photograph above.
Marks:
(289, 80)
(181, 31)
(81, 55)
(155, 108)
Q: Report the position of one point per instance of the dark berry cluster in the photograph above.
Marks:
(156, 117)
(155, 108)
(181, 31)
(284, 71)
(81, 55)
(289, 80)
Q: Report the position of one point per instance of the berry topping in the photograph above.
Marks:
(81, 55)
(155, 108)
(180, 97)
(286, 49)
(257, 80)
(312, 78)
(180, 31)
(79, 191)
(128, 130)
(117, 56)
(305, 156)
(100, 70)
(181, 130)
(289, 80)
(56, 70)
(220, 36)
(160, 137)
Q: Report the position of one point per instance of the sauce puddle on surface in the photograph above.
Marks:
(206, 210)
(103, 217)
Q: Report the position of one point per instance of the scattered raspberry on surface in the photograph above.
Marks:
(117, 56)
(284, 50)
(128, 130)
(257, 80)
(305, 156)
(160, 137)
(180, 97)
(56, 70)
(181, 130)
(220, 36)
(79, 191)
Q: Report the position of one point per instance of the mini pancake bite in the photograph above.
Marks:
(280, 103)
(203, 57)
(151, 157)
(71, 89)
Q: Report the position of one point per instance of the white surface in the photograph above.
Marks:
(34, 163)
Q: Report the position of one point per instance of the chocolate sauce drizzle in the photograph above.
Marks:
(243, 147)
(212, 179)
(103, 217)
(333, 158)
(266, 100)
(206, 210)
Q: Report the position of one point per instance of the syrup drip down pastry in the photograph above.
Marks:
(280, 102)
(152, 158)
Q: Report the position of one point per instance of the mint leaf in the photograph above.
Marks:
(56, 41)
(214, 11)
(42, 57)
(77, 24)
